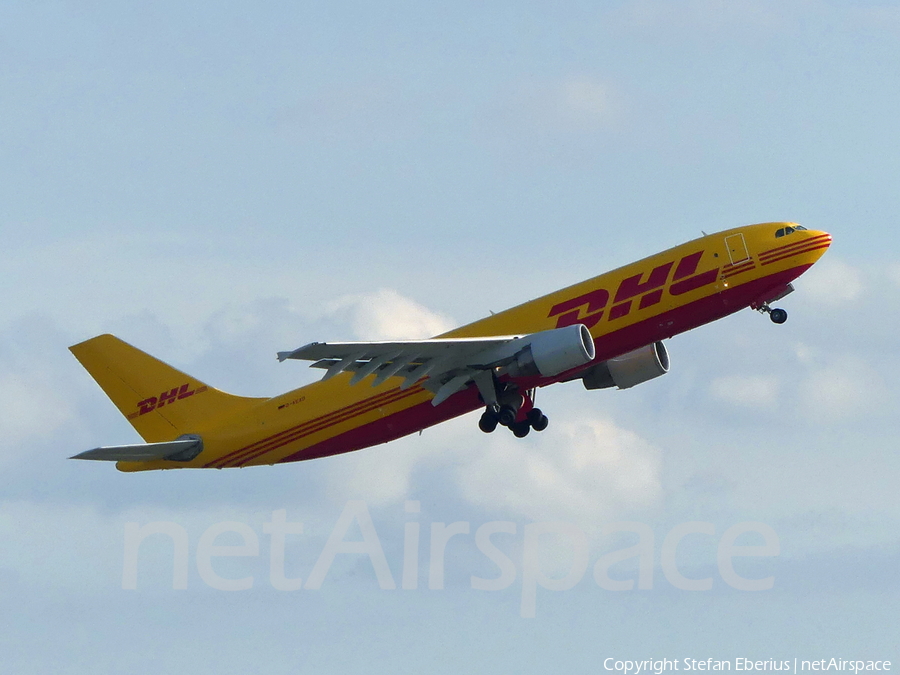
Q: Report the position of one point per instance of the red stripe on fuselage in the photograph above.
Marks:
(784, 248)
(738, 269)
(808, 249)
(291, 430)
(324, 424)
(262, 446)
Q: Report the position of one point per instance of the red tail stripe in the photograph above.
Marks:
(260, 448)
(307, 432)
(330, 418)
(374, 400)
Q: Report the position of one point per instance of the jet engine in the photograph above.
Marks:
(629, 369)
(551, 352)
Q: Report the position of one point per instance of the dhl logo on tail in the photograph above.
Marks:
(156, 402)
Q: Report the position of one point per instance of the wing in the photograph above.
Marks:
(448, 365)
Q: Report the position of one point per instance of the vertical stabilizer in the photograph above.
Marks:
(161, 402)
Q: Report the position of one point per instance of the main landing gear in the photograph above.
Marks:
(776, 314)
(516, 412)
(506, 406)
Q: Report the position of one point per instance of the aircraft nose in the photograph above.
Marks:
(821, 238)
(817, 242)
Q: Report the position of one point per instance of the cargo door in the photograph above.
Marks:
(737, 248)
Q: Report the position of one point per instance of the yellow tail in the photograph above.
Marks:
(161, 402)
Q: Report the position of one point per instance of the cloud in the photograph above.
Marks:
(31, 410)
(48, 545)
(587, 472)
(236, 347)
(833, 282)
(752, 391)
(893, 274)
(387, 315)
(37, 398)
(846, 387)
(79, 548)
(381, 475)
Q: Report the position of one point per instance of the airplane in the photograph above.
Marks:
(606, 332)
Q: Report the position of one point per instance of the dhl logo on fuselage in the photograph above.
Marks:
(647, 291)
(156, 402)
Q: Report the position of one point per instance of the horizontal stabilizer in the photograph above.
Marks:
(180, 450)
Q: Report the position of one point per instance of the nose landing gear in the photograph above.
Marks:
(776, 314)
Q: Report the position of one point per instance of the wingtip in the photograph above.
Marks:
(84, 455)
(283, 356)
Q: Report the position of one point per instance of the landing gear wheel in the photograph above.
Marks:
(778, 315)
(537, 419)
(507, 415)
(520, 429)
(488, 421)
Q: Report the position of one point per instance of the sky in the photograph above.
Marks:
(215, 182)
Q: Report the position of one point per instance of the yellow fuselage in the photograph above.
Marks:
(627, 308)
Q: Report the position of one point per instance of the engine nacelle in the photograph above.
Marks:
(629, 369)
(552, 352)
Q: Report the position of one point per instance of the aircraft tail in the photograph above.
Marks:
(160, 402)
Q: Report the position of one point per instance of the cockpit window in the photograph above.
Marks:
(788, 230)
